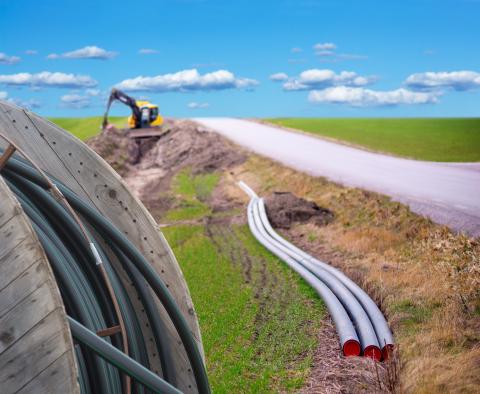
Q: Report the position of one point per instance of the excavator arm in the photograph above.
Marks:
(125, 99)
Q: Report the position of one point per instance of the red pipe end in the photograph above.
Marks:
(373, 352)
(387, 351)
(351, 348)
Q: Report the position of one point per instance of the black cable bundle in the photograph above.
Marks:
(87, 301)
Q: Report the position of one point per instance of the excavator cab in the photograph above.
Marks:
(149, 116)
(144, 114)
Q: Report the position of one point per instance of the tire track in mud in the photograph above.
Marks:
(255, 271)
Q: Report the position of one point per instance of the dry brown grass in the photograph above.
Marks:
(425, 278)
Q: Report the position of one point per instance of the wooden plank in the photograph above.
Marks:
(66, 158)
(25, 315)
(27, 358)
(21, 287)
(54, 379)
(31, 309)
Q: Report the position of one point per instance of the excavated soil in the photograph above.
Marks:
(190, 145)
(285, 209)
(185, 145)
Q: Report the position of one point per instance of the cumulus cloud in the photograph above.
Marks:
(324, 78)
(279, 77)
(76, 101)
(31, 52)
(48, 79)
(147, 51)
(195, 105)
(456, 80)
(29, 104)
(5, 59)
(88, 52)
(325, 46)
(92, 92)
(296, 50)
(328, 53)
(361, 97)
(187, 80)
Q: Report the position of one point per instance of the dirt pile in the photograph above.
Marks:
(285, 209)
(189, 145)
(185, 145)
(113, 146)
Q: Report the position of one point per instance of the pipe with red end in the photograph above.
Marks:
(376, 317)
(345, 328)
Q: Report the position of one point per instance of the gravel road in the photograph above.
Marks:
(448, 193)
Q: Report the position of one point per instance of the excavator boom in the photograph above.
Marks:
(125, 99)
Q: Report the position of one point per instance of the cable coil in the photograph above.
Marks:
(77, 253)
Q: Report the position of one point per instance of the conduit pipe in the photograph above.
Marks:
(369, 322)
(345, 329)
(363, 326)
(382, 330)
(119, 359)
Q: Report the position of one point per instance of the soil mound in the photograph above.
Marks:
(284, 209)
(113, 146)
(148, 167)
(189, 145)
(186, 145)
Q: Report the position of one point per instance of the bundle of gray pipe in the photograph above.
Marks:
(361, 326)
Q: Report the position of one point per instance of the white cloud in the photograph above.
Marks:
(5, 59)
(31, 52)
(147, 51)
(187, 80)
(28, 104)
(76, 101)
(88, 52)
(195, 105)
(328, 53)
(296, 50)
(361, 97)
(92, 92)
(456, 80)
(325, 46)
(279, 77)
(48, 79)
(323, 78)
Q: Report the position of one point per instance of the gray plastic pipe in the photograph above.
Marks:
(383, 332)
(128, 365)
(345, 329)
(363, 326)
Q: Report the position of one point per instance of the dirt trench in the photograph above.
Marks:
(188, 145)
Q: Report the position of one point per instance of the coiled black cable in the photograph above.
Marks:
(86, 300)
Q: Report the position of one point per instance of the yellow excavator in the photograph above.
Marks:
(145, 123)
(144, 114)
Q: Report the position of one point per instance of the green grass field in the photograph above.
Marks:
(258, 319)
(435, 139)
(84, 128)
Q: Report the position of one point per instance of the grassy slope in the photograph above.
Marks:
(425, 278)
(84, 128)
(259, 323)
(424, 139)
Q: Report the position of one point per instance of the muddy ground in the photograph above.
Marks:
(188, 145)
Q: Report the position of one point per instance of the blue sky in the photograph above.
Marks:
(328, 58)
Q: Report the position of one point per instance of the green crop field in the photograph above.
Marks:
(435, 139)
(84, 128)
(258, 318)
